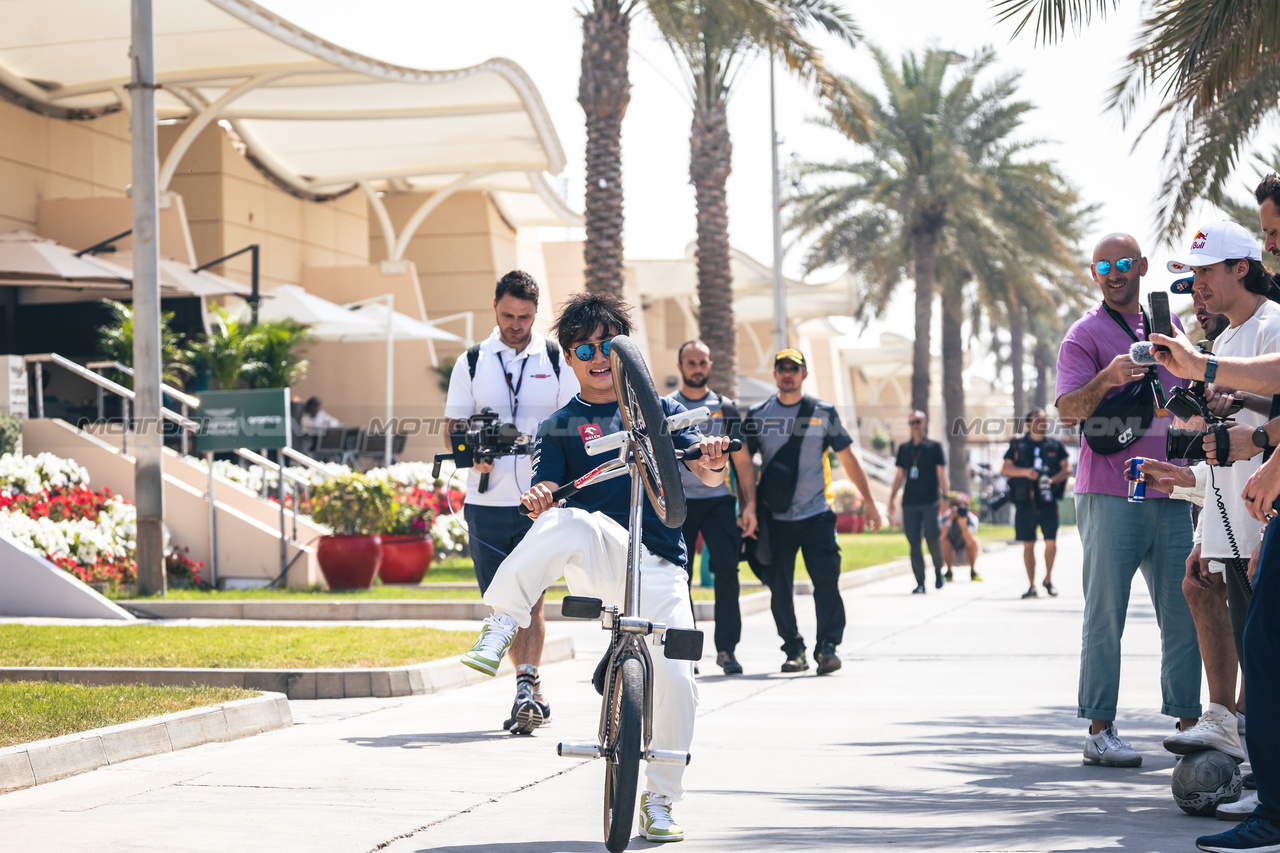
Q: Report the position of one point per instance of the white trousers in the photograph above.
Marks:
(590, 550)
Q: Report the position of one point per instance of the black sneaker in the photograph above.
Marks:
(1031, 593)
(826, 658)
(939, 583)
(796, 663)
(949, 576)
(919, 590)
(1248, 782)
(727, 662)
(526, 715)
(1050, 588)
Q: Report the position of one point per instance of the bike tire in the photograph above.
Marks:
(643, 416)
(622, 763)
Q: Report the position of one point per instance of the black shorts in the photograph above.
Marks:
(1027, 517)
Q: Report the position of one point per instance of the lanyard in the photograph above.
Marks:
(513, 391)
(1115, 315)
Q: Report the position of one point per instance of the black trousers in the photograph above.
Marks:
(1261, 687)
(716, 519)
(921, 520)
(815, 537)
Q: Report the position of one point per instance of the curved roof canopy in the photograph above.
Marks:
(318, 118)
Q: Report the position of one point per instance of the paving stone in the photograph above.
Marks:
(400, 685)
(251, 716)
(329, 685)
(201, 725)
(356, 684)
(380, 682)
(274, 681)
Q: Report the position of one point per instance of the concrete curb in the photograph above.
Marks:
(31, 764)
(414, 680)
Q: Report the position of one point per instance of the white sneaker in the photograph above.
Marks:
(1108, 749)
(494, 640)
(655, 818)
(1216, 730)
(1240, 809)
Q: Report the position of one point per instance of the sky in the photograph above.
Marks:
(1066, 83)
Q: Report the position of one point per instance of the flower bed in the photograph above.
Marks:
(46, 505)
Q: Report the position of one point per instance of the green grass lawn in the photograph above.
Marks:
(35, 710)
(226, 646)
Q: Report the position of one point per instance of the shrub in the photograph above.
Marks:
(10, 433)
(880, 441)
(848, 500)
(353, 504)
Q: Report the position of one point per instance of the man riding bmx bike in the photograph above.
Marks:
(586, 541)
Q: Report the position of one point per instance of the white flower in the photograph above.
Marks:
(29, 475)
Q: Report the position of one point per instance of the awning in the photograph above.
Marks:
(318, 118)
(28, 259)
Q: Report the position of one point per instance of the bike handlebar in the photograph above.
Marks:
(570, 489)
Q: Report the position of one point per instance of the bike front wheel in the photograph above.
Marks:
(622, 759)
(643, 417)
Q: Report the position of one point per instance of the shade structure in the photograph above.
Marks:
(329, 321)
(26, 258)
(403, 327)
(178, 279)
(318, 118)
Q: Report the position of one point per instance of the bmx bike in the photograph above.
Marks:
(624, 677)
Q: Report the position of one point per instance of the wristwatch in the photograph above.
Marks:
(1260, 438)
(1211, 369)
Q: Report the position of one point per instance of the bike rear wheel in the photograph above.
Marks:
(643, 417)
(622, 759)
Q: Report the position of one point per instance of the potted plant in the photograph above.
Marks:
(407, 548)
(355, 507)
(848, 504)
(880, 441)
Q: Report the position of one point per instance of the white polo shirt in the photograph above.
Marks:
(533, 393)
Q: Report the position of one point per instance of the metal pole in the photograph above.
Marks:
(255, 296)
(213, 525)
(39, 380)
(391, 356)
(149, 451)
(184, 437)
(125, 426)
(779, 289)
(284, 545)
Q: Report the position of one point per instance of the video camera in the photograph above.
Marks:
(1192, 402)
(483, 439)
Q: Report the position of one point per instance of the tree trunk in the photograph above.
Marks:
(1041, 356)
(953, 387)
(604, 91)
(924, 249)
(1017, 356)
(709, 167)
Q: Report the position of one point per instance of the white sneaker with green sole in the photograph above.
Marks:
(494, 640)
(655, 818)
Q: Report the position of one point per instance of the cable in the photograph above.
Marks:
(462, 522)
(1239, 564)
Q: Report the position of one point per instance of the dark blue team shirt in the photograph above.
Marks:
(560, 456)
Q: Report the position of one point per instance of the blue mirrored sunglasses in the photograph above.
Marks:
(1124, 265)
(586, 352)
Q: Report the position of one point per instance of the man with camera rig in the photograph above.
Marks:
(1037, 467)
(517, 375)
(1100, 386)
(587, 541)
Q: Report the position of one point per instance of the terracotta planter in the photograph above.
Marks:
(858, 523)
(405, 559)
(349, 562)
(845, 522)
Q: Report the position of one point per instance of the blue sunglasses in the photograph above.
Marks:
(1124, 265)
(586, 352)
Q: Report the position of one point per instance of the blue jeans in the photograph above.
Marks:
(1119, 537)
(1261, 690)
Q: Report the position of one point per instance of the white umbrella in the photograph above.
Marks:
(28, 259)
(403, 327)
(329, 321)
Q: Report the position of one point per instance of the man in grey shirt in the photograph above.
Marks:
(796, 496)
(712, 510)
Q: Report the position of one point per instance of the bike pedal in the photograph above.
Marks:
(682, 644)
(581, 607)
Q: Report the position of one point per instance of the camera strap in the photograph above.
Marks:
(514, 390)
(1161, 408)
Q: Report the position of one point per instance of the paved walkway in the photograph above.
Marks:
(951, 727)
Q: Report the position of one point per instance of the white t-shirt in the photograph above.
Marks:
(1257, 335)
(535, 394)
(320, 420)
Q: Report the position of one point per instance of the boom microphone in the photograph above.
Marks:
(1140, 353)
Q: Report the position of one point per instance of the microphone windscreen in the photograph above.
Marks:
(1140, 352)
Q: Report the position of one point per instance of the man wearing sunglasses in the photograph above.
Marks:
(1118, 536)
(922, 477)
(587, 540)
(519, 375)
(792, 433)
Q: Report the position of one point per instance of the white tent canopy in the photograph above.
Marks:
(315, 116)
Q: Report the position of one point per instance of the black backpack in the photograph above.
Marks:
(473, 358)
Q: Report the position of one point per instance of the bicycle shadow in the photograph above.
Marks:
(527, 847)
(424, 740)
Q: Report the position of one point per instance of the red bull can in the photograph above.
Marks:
(1137, 487)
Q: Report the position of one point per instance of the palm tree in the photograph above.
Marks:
(272, 360)
(713, 41)
(115, 342)
(885, 214)
(225, 350)
(1215, 67)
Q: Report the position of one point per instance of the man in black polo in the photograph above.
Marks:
(1037, 467)
(712, 510)
(922, 467)
(792, 432)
